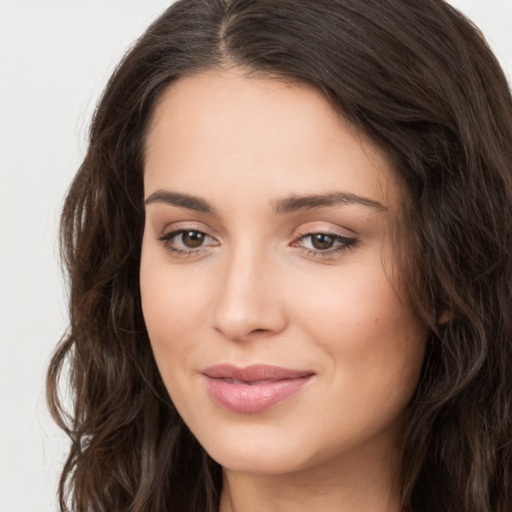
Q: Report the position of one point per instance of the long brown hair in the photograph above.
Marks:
(419, 80)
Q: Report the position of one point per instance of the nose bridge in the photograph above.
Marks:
(246, 301)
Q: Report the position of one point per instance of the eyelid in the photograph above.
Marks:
(170, 232)
(344, 241)
(184, 225)
(328, 228)
(341, 239)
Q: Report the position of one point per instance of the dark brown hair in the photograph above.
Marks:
(419, 80)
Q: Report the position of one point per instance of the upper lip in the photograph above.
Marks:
(255, 372)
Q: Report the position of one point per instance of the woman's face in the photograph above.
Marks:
(268, 278)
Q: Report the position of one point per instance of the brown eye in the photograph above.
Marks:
(322, 242)
(183, 242)
(192, 239)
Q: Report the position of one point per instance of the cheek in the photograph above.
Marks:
(358, 305)
(173, 305)
(374, 342)
(164, 311)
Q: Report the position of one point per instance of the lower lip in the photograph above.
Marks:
(251, 398)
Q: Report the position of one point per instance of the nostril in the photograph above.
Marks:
(257, 331)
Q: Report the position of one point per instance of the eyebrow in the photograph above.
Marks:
(179, 199)
(296, 203)
(286, 205)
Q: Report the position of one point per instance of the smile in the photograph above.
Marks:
(254, 388)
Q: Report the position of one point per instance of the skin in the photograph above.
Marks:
(258, 289)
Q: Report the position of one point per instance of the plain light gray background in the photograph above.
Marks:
(55, 57)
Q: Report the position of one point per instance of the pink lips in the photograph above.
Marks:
(253, 388)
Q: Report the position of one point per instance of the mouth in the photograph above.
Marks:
(254, 388)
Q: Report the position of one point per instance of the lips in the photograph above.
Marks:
(254, 388)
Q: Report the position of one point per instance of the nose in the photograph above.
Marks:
(248, 301)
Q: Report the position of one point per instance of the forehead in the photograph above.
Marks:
(225, 125)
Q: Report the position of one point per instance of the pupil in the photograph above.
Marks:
(193, 239)
(322, 241)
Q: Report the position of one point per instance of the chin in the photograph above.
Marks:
(255, 459)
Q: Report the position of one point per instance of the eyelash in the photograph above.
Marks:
(344, 243)
(166, 238)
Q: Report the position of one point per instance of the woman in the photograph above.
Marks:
(289, 251)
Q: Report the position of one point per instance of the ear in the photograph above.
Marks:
(445, 317)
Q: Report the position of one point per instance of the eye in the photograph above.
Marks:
(320, 241)
(186, 241)
(192, 239)
(325, 244)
